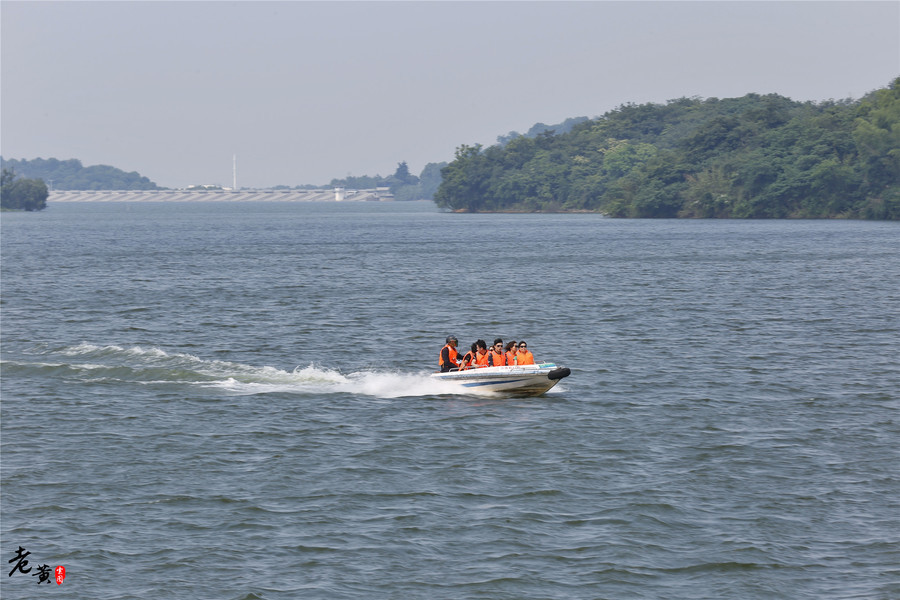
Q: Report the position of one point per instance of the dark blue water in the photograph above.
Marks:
(231, 401)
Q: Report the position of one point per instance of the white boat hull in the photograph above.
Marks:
(525, 380)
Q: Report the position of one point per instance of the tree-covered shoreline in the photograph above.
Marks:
(749, 157)
(70, 174)
(403, 184)
(17, 193)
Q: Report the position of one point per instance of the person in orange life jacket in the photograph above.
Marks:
(523, 356)
(497, 356)
(511, 353)
(481, 355)
(448, 360)
(468, 360)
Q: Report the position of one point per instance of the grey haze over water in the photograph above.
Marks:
(304, 92)
(230, 400)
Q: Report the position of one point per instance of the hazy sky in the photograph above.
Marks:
(303, 92)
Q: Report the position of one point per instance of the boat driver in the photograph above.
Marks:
(448, 360)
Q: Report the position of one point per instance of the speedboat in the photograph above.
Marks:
(524, 380)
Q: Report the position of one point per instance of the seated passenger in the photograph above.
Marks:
(468, 361)
(497, 356)
(511, 353)
(523, 356)
(481, 355)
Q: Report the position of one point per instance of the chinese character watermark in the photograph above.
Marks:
(21, 553)
(42, 572)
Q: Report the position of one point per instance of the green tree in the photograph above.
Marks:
(72, 175)
(877, 136)
(22, 194)
(757, 156)
(363, 182)
(430, 179)
(402, 175)
(708, 194)
(464, 181)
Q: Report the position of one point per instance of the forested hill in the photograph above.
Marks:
(750, 157)
(71, 175)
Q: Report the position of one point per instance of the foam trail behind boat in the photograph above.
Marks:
(89, 363)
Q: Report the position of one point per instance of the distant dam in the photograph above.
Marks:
(331, 195)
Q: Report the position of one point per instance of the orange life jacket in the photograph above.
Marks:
(498, 359)
(511, 357)
(481, 360)
(524, 358)
(452, 354)
(467, 361)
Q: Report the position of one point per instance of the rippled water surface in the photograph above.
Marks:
(231, 401)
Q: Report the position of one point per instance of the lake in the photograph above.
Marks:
(231, 401)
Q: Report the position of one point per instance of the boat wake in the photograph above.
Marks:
(89, 363)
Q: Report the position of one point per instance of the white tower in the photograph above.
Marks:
(234, 172)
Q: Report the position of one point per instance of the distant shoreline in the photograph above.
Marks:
(328, 195)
